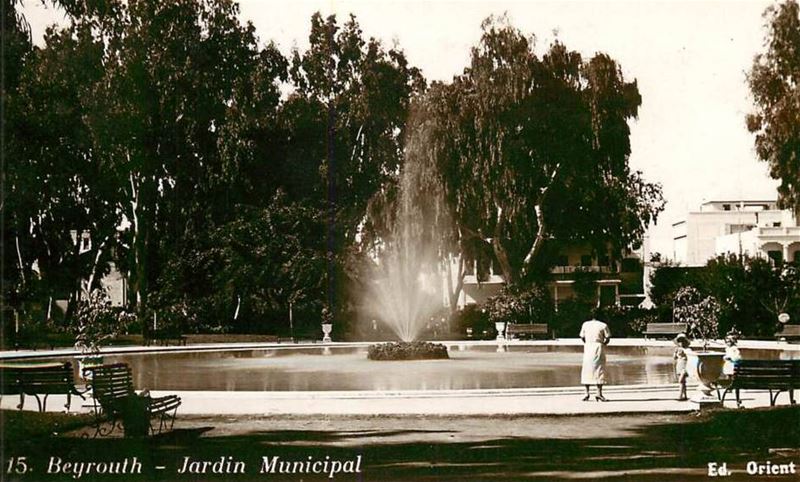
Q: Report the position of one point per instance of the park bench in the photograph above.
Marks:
(117, 403)
(35, 340)
(38, 379)
(774, 375)
(164, 338)
(514, 330)
(665, 330)
(788, 332)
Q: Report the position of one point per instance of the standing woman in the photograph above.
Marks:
(595, 335)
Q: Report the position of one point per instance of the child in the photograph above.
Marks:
(732, 354)
(682, 343)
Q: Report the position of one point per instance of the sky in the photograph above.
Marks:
(689, 58)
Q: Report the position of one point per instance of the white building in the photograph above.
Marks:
(755, 228)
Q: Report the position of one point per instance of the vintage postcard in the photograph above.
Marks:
(400, 240)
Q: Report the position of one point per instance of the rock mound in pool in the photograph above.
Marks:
(404, 350)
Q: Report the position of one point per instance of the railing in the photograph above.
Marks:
(576, 269)
(779, 231)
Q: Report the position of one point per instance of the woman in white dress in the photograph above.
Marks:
(595, 335)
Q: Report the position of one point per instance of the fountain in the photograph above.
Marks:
(406, 280)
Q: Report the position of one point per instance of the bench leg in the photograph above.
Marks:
(21, 401)
(773, 399)
(738, 399)
(725, 394)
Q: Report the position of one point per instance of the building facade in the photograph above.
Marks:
(754, 228)
(616, 283)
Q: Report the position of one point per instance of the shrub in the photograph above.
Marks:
(700, 313)
(570, 316)
(95, 322)
(414, 350)
(471, 316)
(514, 305)
(627, 320)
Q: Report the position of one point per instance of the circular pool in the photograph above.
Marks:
(347, 368)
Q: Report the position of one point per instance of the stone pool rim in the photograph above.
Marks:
(9, 355)
(565, 400)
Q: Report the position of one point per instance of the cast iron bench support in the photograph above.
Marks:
(774, 375)
(117, 403)
(38, 379)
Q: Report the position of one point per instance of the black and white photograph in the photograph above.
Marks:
(387, 240)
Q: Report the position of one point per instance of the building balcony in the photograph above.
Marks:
(782, 232)
(575, 269)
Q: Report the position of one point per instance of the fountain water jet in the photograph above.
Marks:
(406, 284)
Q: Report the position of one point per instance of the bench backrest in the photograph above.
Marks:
(666, 328)
(767, 373)
(111, 383)
(526, 328)
(32, 378)
(792, 330)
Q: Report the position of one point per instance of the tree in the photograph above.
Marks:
(347, 120)
(531, 149)
(774, 79)
(54, 186)
(172, 121)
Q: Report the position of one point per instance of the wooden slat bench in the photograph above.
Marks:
(117, 403)
(789, 332)
(164, 338)
(664, 330)
(774, 375)
(527, 329)
(38, 379)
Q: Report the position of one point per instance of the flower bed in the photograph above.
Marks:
(404, 350)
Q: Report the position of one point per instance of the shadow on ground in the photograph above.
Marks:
(678, 450)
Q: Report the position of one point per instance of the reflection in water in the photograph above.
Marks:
(336, 368)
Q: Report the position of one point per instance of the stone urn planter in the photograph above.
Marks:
(500, 326)
(326, 332)
(87, 361)
(705, 367)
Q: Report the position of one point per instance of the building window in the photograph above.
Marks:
(602, 260)
(562, 260)
(726, 207)
(586, 260)
(796, 257)
(776, 225)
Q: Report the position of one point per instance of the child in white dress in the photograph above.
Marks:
(682, 344)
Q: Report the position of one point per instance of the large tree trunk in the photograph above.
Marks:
(500, 251)
(538, 241)
(139, 244)
(93, 273)
(541, 224)
(453, 292)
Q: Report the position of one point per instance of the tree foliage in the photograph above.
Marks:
(351, 103)
(532, 148)
(247, 273)
(774, 79)
(751, 292)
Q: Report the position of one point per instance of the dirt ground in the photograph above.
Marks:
(650, 447)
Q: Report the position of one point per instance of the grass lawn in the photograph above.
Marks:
(625, 447)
